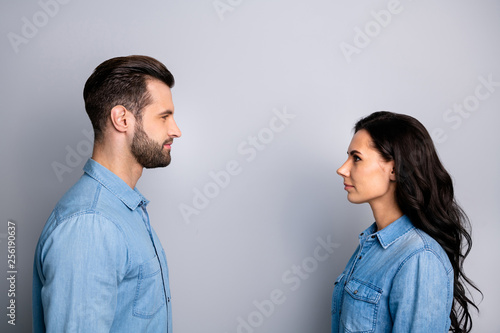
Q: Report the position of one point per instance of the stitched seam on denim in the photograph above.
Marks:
(428, 247)
(139, 313)
(57, 216)
(96, 197)
(144, 315)
(61, 218)
(38, 266)
(370, 331)
(334, 303)
(145, 276)
(411, 255)
(166, 264)
(374, 322)
(117, 225)
(60, 221)
(375, 304)
(92, 212)
(447, 304)
(414, 253)
(370, 286)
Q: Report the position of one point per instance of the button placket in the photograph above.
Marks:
(365, 245)
(145, 216)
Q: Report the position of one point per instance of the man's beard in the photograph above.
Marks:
(147, 152)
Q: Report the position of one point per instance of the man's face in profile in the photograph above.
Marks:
(155, 132)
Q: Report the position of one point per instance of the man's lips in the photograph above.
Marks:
(168, 144)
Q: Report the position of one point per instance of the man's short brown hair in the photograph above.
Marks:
(121, 81)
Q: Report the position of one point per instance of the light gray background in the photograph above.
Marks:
(232, 71)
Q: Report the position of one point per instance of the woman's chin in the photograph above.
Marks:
(352, 199)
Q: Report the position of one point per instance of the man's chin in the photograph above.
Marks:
(152, 161)
(154, 166)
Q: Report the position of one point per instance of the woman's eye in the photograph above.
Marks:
(356, 158)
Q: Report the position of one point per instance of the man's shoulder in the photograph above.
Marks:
(88, 203)
(78, 203)
(78, 199)
(79, 227)
(86, 196)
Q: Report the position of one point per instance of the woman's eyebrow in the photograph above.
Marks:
(352, 152)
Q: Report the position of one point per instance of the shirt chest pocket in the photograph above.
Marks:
(359, 306)
(150, 295)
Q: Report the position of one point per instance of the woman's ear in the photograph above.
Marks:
(392, 176)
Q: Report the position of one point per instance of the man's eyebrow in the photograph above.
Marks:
(166, 112)
(352, 152)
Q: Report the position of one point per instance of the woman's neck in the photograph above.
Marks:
(385, 213)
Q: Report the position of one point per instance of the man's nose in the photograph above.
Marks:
(174, 131)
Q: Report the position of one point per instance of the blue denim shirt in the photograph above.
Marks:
(398, 280)
(99, 266)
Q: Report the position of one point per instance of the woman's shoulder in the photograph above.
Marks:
(418, 243)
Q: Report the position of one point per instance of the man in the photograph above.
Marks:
(99, 265)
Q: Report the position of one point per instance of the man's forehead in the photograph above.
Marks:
(161, 95)
(155, 85)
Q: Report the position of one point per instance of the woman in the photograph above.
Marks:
(407, 273)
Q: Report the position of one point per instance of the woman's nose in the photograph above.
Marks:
(343, 171)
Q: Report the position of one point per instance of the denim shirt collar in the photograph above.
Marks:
(389, 234)
(132, 198)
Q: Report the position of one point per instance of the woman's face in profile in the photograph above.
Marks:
(367, 176)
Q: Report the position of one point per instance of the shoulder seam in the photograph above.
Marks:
(428, 248)
(423, 249)
(95, 213)
(96, 197)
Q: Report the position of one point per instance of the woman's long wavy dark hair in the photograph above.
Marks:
(424, 192)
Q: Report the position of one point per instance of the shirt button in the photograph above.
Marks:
(373, 236)
(360, 257)
(361, 234)
(355, 291)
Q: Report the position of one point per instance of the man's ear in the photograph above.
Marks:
(121, 118)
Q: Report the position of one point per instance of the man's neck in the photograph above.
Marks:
(121, 163)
